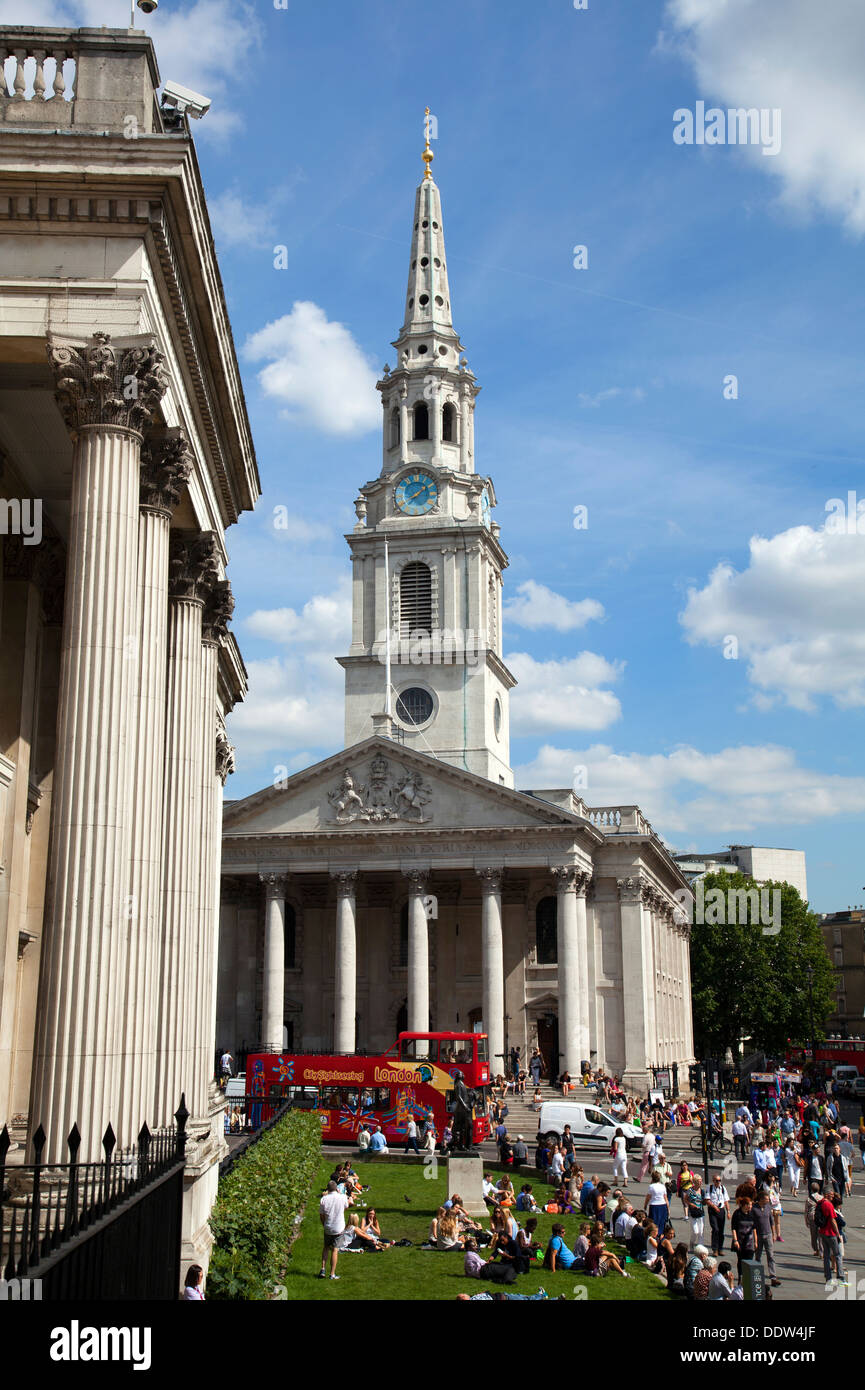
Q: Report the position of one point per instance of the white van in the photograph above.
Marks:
(845, 1077)
(590, 1127)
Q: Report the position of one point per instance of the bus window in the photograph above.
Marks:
(348, 1096)
(483, 1050)
(330, 1099)
(303, 1097)
(419, 1049)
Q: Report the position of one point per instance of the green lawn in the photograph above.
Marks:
(411, 1273)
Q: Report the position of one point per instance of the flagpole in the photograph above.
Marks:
(387, 709)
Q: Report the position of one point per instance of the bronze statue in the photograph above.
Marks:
(461, 1111)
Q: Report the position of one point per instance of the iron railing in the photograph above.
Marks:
(106, 1229)
(256, 1117)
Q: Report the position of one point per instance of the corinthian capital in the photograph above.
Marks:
(218, 608)
(631, 889)
(491, 880)
(274, 885)
(103, 383)
(193, 565)
(166, 463)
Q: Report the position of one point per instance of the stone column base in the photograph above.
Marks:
(465, 1176)
(636, 1080)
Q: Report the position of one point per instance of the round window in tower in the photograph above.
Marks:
(415, 706)
(497, 717)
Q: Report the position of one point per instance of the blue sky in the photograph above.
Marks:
(601, 387)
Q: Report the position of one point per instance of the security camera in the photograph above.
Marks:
(183, 99)
(147, 6)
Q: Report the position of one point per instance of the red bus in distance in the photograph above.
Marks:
(414, 1077)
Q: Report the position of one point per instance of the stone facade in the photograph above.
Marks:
(122, 422)
(404, 883)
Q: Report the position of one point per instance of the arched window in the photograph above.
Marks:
(545, 932)
(403, 940)
(415, 600)
(449, 423)
(394, 428)
(421, 421)
(290, 937)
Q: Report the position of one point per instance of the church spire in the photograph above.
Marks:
(427, 333)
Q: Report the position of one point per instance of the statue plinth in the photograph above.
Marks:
(465, 1176)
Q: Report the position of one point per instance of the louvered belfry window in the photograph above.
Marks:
(415, 600)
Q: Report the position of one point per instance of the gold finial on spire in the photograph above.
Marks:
(427, 155)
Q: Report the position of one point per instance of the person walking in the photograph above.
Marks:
(794, 1165)
(536, 1066)
(811, 1200)
(696, 1207)
(657, 1203)
(740, 1138)
(718, 1204)
(619, 1151)
(765, 1238)
(743, 1233)
(830, 1241)
(411, 1135)
(331, 1214)
(648, 1152)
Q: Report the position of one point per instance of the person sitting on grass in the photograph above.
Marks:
(677, 1269)
(599, 1260)
(527, 1246)
(369, 1227)
(432, 1234)
(491, 1192)
(476, 1268)
(448, 1234)
(562, 1199)
(525, 1198)
(506, 1192)
(557, 1255)
(581, 1245)
(466, 1223)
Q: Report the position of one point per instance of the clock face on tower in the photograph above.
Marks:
(416, 493)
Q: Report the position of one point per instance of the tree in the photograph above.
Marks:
(748, 968)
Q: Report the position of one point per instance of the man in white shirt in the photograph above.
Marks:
(740, 1137)
(411, 1136)
(331, 1214)
(625, 1223)
(648, 1153)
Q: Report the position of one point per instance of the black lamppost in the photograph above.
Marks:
(809, 974)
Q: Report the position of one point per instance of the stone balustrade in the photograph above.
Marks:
(95, 79)
(44, 73)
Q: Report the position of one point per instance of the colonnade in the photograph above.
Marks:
(125, 1019)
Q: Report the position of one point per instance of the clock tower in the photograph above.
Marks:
(425, 664)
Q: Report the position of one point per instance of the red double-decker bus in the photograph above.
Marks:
(412, 1078)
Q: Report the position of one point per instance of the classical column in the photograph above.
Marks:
(493, 967)
(107, 393)
(345, 965)
(273, 996)
(165, 466)
(418, 953)
(403, 423)
(218, 608)
(573, 967)
(637, 980)
(193, 571)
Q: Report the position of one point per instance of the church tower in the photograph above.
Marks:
(425, 664)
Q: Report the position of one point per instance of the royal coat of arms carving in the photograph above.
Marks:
(386, 796)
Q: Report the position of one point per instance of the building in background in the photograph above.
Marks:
(844, 938)
(126, 454)
(754, 861)
(554, 921)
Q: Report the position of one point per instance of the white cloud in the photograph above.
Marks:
(797, 615)
(287, 527)
(798, 56)
(537, 606)
(296, 701)
(563, 694)
(317, 370)
(204, 46)
(324, 622)
(630, 393)
(687, 792)
(239, 222)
